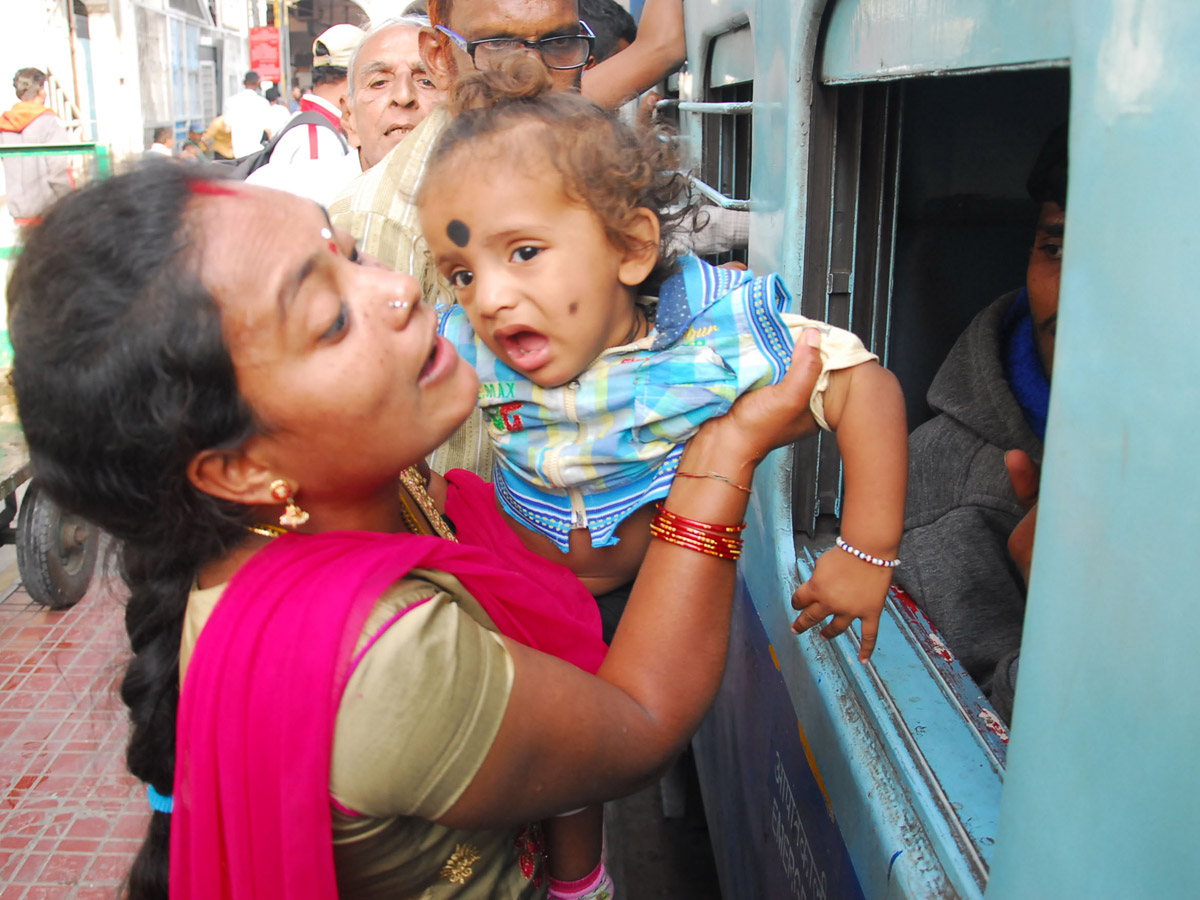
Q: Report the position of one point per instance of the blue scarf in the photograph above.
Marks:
(1023, 367)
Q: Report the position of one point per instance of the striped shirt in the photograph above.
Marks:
(590, 452)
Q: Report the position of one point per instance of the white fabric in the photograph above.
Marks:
(277, 117)
(294, 146)
(246, 115)
(321, 180)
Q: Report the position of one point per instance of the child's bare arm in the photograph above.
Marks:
(864, 406)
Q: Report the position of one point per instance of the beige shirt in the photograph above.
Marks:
(419, 714)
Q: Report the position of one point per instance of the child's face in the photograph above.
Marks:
(535, 272)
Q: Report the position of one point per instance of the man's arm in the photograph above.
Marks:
(658, 50)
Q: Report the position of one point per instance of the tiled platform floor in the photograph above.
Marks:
(71, 817)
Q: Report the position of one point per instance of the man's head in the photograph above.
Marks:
(331, 60)
(272, 94)
(479, 20)
(1047, 185)
(195, 130)
(164, 135)
(29, 83)
(251, 81)
(614, 26)
(390, 91)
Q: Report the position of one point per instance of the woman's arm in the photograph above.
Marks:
(657, 51)
(569, 738)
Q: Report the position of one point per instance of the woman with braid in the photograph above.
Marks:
(378, 701)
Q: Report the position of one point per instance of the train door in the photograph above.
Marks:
(882, 148)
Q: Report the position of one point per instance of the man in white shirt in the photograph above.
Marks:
(331, 58)
(246, 115)
(164, 140)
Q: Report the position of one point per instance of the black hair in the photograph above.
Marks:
(162, 133)
(328, 74)
(121, 376)
(272, 94)
(251, 78)
(1048, 178)
(605, 164)
(611, 22)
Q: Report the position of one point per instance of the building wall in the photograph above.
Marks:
(124, 63)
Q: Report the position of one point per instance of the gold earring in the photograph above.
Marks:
(293, 515)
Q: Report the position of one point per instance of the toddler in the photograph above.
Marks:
(549, 218)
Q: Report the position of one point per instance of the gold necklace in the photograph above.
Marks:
(414, 489)
(270, 531)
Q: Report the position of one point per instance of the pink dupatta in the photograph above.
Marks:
(258, 707)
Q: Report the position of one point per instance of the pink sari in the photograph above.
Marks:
(257, 711)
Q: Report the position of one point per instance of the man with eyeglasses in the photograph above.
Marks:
(376, 207)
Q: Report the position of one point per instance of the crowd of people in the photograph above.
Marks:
(507, 427)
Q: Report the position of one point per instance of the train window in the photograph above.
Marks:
(918, 218)
(727, 125)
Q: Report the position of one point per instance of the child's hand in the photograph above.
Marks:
(849, 589)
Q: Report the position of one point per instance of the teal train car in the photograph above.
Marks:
(881, 148)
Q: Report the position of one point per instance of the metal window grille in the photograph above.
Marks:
(849, 250)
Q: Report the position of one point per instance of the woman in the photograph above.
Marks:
(195, 359)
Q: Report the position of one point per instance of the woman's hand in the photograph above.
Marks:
(772, 416)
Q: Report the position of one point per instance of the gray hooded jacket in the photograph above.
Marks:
(961, 508)
(33, 183)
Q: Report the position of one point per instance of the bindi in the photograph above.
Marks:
(328, 235)
(459, 233)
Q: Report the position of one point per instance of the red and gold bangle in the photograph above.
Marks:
(676, 519)
(712, 540)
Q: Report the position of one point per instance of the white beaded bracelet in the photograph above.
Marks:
(867, 557)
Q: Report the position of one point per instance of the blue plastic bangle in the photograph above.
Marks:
(158, 802)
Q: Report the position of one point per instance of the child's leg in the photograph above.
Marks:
(573, 850)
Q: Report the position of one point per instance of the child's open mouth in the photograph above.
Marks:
(526, 350)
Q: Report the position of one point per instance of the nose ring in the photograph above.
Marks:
(398, 304)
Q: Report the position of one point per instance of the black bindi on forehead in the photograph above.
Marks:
(459, 233)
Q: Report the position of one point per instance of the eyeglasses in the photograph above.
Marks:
(560, 52)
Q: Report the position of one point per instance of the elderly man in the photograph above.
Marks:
(389, 94)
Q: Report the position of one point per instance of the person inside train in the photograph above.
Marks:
(341, 704)
(591, 392)
(972, 468)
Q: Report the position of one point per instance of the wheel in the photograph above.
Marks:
(56, 552)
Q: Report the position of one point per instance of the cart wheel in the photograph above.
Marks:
(56, 552)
